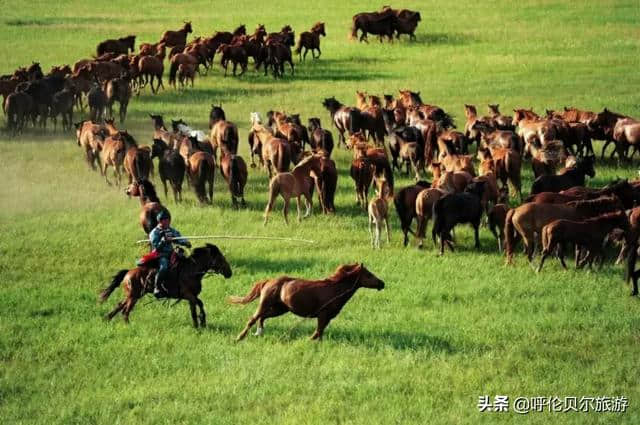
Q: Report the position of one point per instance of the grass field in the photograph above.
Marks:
(444, 331)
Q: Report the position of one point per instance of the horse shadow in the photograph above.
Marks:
(401, 341)
(273, 266)
(443, 38)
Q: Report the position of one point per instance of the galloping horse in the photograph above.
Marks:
(149, 202)
(138, 281)
(307, 298)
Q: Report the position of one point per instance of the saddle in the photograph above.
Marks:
(150, 262)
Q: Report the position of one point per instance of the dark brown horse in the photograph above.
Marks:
(177, 38)
(118, 90)
(310, 40)
(378, 23)
(224, 134)
(201, 168)
(320, 138)
(340, 116)
(307, 298)
(171, 167)
(186, 283)
(588, 234)
(120, 46)
(405, 202)
(149, 203)
(234, 170)
(574, 176)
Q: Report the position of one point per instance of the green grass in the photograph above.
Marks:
(444, 331)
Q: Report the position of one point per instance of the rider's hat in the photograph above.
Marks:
(162, 215)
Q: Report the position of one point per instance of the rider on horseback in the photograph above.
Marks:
(161, 238)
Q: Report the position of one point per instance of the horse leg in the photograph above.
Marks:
(298, 206)
(323, 321)
(476, 234)
(386, 226)
(371, 224)
(130, 303)
(378, 231)
(285, 209)
(309, 202)
(274, 311)
(115, 311)
(203, 316)
(319, 53)
(260, 312)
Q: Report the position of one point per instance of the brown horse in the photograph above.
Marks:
(405, 202)
(529, 219)
(137, 162)
(496, 218)
(320, 138)
(326, 182)
(362, 171)
(149, 203)
(177, 38)
(340, 116)
(503, 122)
(378, 23)
(224, 134)
(177, 60)
(425, 201)
(90, 138)
(307, 298)
(201, 168)
(275, 152)
(588, 234)
(234, 170)
(113, 150)
(286, 129)
(118, 90)
(297, 183)
(186, 285)
(378, 212)
(171, 166)
(310, 40)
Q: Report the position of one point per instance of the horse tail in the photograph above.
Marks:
(354, 27)
(252, 295)
(509, 235)
(403, 212)
(234, 177)
(115, 282)
(173, 69)
(298, 48)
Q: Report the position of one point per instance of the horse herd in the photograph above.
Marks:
(117, 71)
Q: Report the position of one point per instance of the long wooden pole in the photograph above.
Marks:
(270, 238)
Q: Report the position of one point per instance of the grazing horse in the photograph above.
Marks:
(458, 208)
(224, 134)
(177, 38)
(405, 201)
(297, 183)
(589, 233)
(171, 167)
(149, 202)
(319, 137)
(571, 177)
(187, 284)
(341, 117)
(529, 219)
(307, 298)
(234, 170)
(310, 40)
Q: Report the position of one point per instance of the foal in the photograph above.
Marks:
(379, 212)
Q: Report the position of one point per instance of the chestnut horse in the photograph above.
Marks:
(297, 183)
(138, 282)
(307, 298)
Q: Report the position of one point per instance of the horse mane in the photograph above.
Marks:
(149, 190)
(343, 271)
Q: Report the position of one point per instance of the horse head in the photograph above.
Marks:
(255, 118)
(211, 258)
(364, 278)
(217, 113)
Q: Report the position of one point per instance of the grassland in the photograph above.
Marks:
(444, 331)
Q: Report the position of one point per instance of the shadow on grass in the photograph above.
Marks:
(443, 38)
(275, 266)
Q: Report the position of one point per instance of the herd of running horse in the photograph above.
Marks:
(473, 172)
(387, 135)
